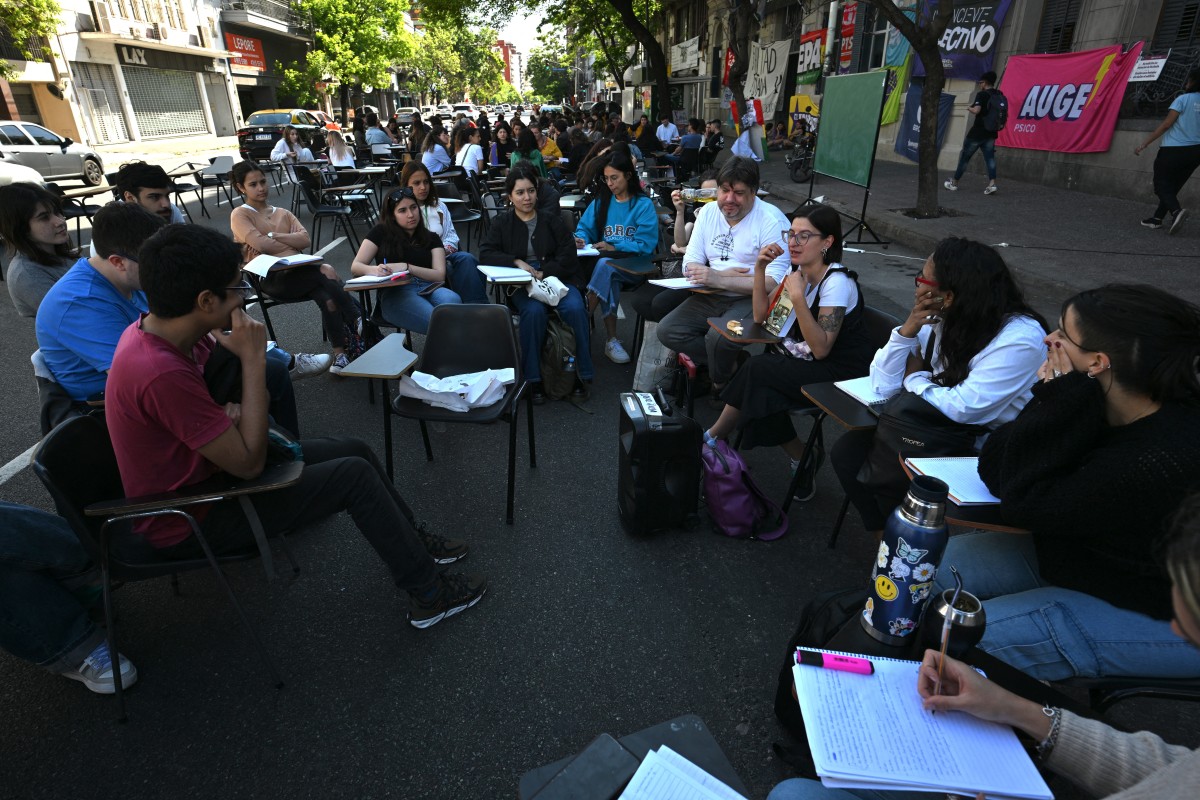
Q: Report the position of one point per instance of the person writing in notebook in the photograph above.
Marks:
(1103, 761)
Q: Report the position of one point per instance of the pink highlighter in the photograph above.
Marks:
(858, 666)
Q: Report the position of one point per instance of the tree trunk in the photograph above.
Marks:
(344, 92)
(927, 152)
(740, 22)
(654, 51)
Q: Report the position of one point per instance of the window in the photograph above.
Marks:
(1057, 31)
(42, 136)
(874, 40)
(12, 135)
(1179, 25)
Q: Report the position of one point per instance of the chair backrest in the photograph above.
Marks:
(220, 165)
(381, 150)
(447, 191)
(879, 325)
(310, 185)
(469, 338)
(78, 467)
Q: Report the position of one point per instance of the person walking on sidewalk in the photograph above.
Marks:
(979, 137)
(1178, 155)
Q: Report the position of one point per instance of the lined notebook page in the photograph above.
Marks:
(961, 475)
(860, 389)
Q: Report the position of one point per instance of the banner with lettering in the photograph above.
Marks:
(248, 53)
(969, 44)
(909, 133)
(897, 46)
(812, 56)
(802, 109)
(849, 18)
(1066, 102)
(764, 79)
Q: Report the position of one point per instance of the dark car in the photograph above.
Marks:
(264, 128)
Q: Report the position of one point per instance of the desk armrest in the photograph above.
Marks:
(218, 487)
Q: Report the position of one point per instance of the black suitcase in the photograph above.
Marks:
(658, 485)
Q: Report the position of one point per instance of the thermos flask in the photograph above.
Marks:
(914, 540)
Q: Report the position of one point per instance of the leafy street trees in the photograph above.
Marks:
(550, 70)
(29, 19)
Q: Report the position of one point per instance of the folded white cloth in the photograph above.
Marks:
(458, 392)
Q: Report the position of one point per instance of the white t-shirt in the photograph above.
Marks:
(839, 291)
(721, 247)
(437, 220)
(469, 158)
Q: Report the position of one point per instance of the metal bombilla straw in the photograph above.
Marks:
(958, 587)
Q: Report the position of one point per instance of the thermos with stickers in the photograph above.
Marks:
(906, 565)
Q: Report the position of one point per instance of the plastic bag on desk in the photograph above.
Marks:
(458, 392)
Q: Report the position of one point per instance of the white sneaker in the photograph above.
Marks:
(615, 352)
(339, 364)
(991, 189)
(1177, 220)
(308, 364)
(96, 671)
(951, 185)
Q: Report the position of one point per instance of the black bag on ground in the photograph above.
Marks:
(820, 619)
(558, 358)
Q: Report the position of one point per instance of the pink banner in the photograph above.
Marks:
(1066, 103)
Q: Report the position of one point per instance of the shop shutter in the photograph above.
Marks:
(1178, 26)
(97, 92)
(166, 102)
(1057, 31)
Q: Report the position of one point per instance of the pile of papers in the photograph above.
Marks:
(666, 775)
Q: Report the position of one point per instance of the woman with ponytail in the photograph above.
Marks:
(1094, 465)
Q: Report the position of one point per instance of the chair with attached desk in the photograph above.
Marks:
(185, 169)
(78, 467)
(464, 339)
(324, 203)
(216, 175)
(460, 213)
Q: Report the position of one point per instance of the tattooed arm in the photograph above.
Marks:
(821, 331)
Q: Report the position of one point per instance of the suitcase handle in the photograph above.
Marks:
(661, 397)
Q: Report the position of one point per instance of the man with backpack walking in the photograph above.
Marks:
(991, 113)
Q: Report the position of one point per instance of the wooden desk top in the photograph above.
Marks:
(86, 191)
(388, 360)
(845, 410)
(752, 333)
(218, 487)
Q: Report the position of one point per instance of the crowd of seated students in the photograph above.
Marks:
(462, 268)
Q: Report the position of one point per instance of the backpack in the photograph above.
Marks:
(558, 359)
(996, 115)
(736, 506)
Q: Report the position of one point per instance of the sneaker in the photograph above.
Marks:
(807, 489)
(456, 592)
(308, 364)
(96, 671)
(441, 549)
(951, 185)
(1152, 222)
(1179, 215)
(615, 352)
(339, 364)
(991, 189)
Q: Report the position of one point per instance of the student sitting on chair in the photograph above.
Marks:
(260, 227)
(462, 268)
(84, 314)
(435, 154)
(621, 223)
(400, 243)
(34, 229)
(168, 433)
(468, 154)
(150, 187)
(290, 149)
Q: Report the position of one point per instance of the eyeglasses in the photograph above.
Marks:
(798, 237)
(919, 281)
(400, 194)
(1063, 332)
(243, 286)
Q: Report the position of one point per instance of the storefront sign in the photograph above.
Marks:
(969, 44)
(1066, 102)
(812, 56)
(764, 79)
(909, 135)
(248, 53)
(161, 59)
(849, 17)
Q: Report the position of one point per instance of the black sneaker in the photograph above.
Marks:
(441, 549)
(807, 489)
(456, 592)
(1152, 222)
(1179, 215)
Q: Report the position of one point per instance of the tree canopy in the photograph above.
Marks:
(451, 61)
(550, 69)
(29, 19)
(591, 27)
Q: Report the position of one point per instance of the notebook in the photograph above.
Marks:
(960, 474)
(860, 389)
(666, 775)
(264, 263)
(676, 283)
(871, 732)
(505, 274)
(381, 280)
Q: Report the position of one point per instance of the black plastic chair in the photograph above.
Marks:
(460, 212)
(179, 188)
(74, 210)
(471, 338)
(78, 467)
(312, 191)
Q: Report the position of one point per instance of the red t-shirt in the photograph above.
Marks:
(159, 414)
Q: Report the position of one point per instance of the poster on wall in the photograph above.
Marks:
(908, 137)
(897, 46)
(803, 112)
(849, 17)
(969, 44)
(1066, 102)
(893, 91)
(812, 57)
(764, 79)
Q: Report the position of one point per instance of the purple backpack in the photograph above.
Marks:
(736, 506)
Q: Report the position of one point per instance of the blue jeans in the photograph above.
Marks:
(988, 146)
(1054, 634)
(465, 278)
(532, 331)
(282, 407)
(606, 284)
(46, 579)
(804, 789)
(406, 308)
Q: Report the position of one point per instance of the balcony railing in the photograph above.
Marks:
(9, 49)
(280, 10)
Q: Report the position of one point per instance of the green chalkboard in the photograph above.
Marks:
(849, 126)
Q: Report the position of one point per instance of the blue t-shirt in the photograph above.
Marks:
(78, 326)
(436, 160)
(1186, 130)
(630, 227)
(691, 141)
(377, 136)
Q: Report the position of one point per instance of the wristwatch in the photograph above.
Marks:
(271, 234)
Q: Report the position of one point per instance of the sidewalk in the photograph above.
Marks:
(1059, 241)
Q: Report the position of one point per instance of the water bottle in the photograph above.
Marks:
(568, 363)
(906, 565)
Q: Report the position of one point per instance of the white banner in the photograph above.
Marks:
(764, 80)
(685, 55)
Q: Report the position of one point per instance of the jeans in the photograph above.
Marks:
(686, 330)
(282, 406)
(804, 789)
(1172, 168)
(988, 146)
(465, 278)
(46, 583)
(606, 284)
(535, 315)
(1054, 634)
(340, 474)
(406, 308)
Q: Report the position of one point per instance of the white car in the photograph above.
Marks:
(15, 173)
(53, 157)
(427, 112)
(445, 111)
(464, 108)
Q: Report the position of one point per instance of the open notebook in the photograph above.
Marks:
(261, 265)
(961, 474)
(871, 732)
(860, 389)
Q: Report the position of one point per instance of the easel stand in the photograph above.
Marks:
(860, 222)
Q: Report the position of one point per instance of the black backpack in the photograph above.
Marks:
(558, 358)
(996, 115)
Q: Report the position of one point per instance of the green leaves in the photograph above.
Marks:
(25, 20)
(356, 41)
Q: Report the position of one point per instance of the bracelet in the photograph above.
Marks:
(1046, 745)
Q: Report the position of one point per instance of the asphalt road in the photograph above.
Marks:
(585, 629)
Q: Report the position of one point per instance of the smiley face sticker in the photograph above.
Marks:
(885, 589)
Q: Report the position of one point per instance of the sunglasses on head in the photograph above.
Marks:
(400, 194)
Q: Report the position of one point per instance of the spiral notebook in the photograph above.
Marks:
(961, 474)
(871, 732)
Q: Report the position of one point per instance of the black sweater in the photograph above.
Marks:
(508, 239)
(1097, 498)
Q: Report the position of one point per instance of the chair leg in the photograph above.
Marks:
(529, 416)
(267, 321)
(815, 439)
(425, 438)
(512, 467)
(203, 208)
(349, 229)
(639, 333)
(111, 637)
(316, 236)
(837, 526)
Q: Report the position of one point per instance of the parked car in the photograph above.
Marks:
(404, 115)
(54, 157)
(264, 128)
(15, 173)
(445, 111)
(330, 123)
(464, 108)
